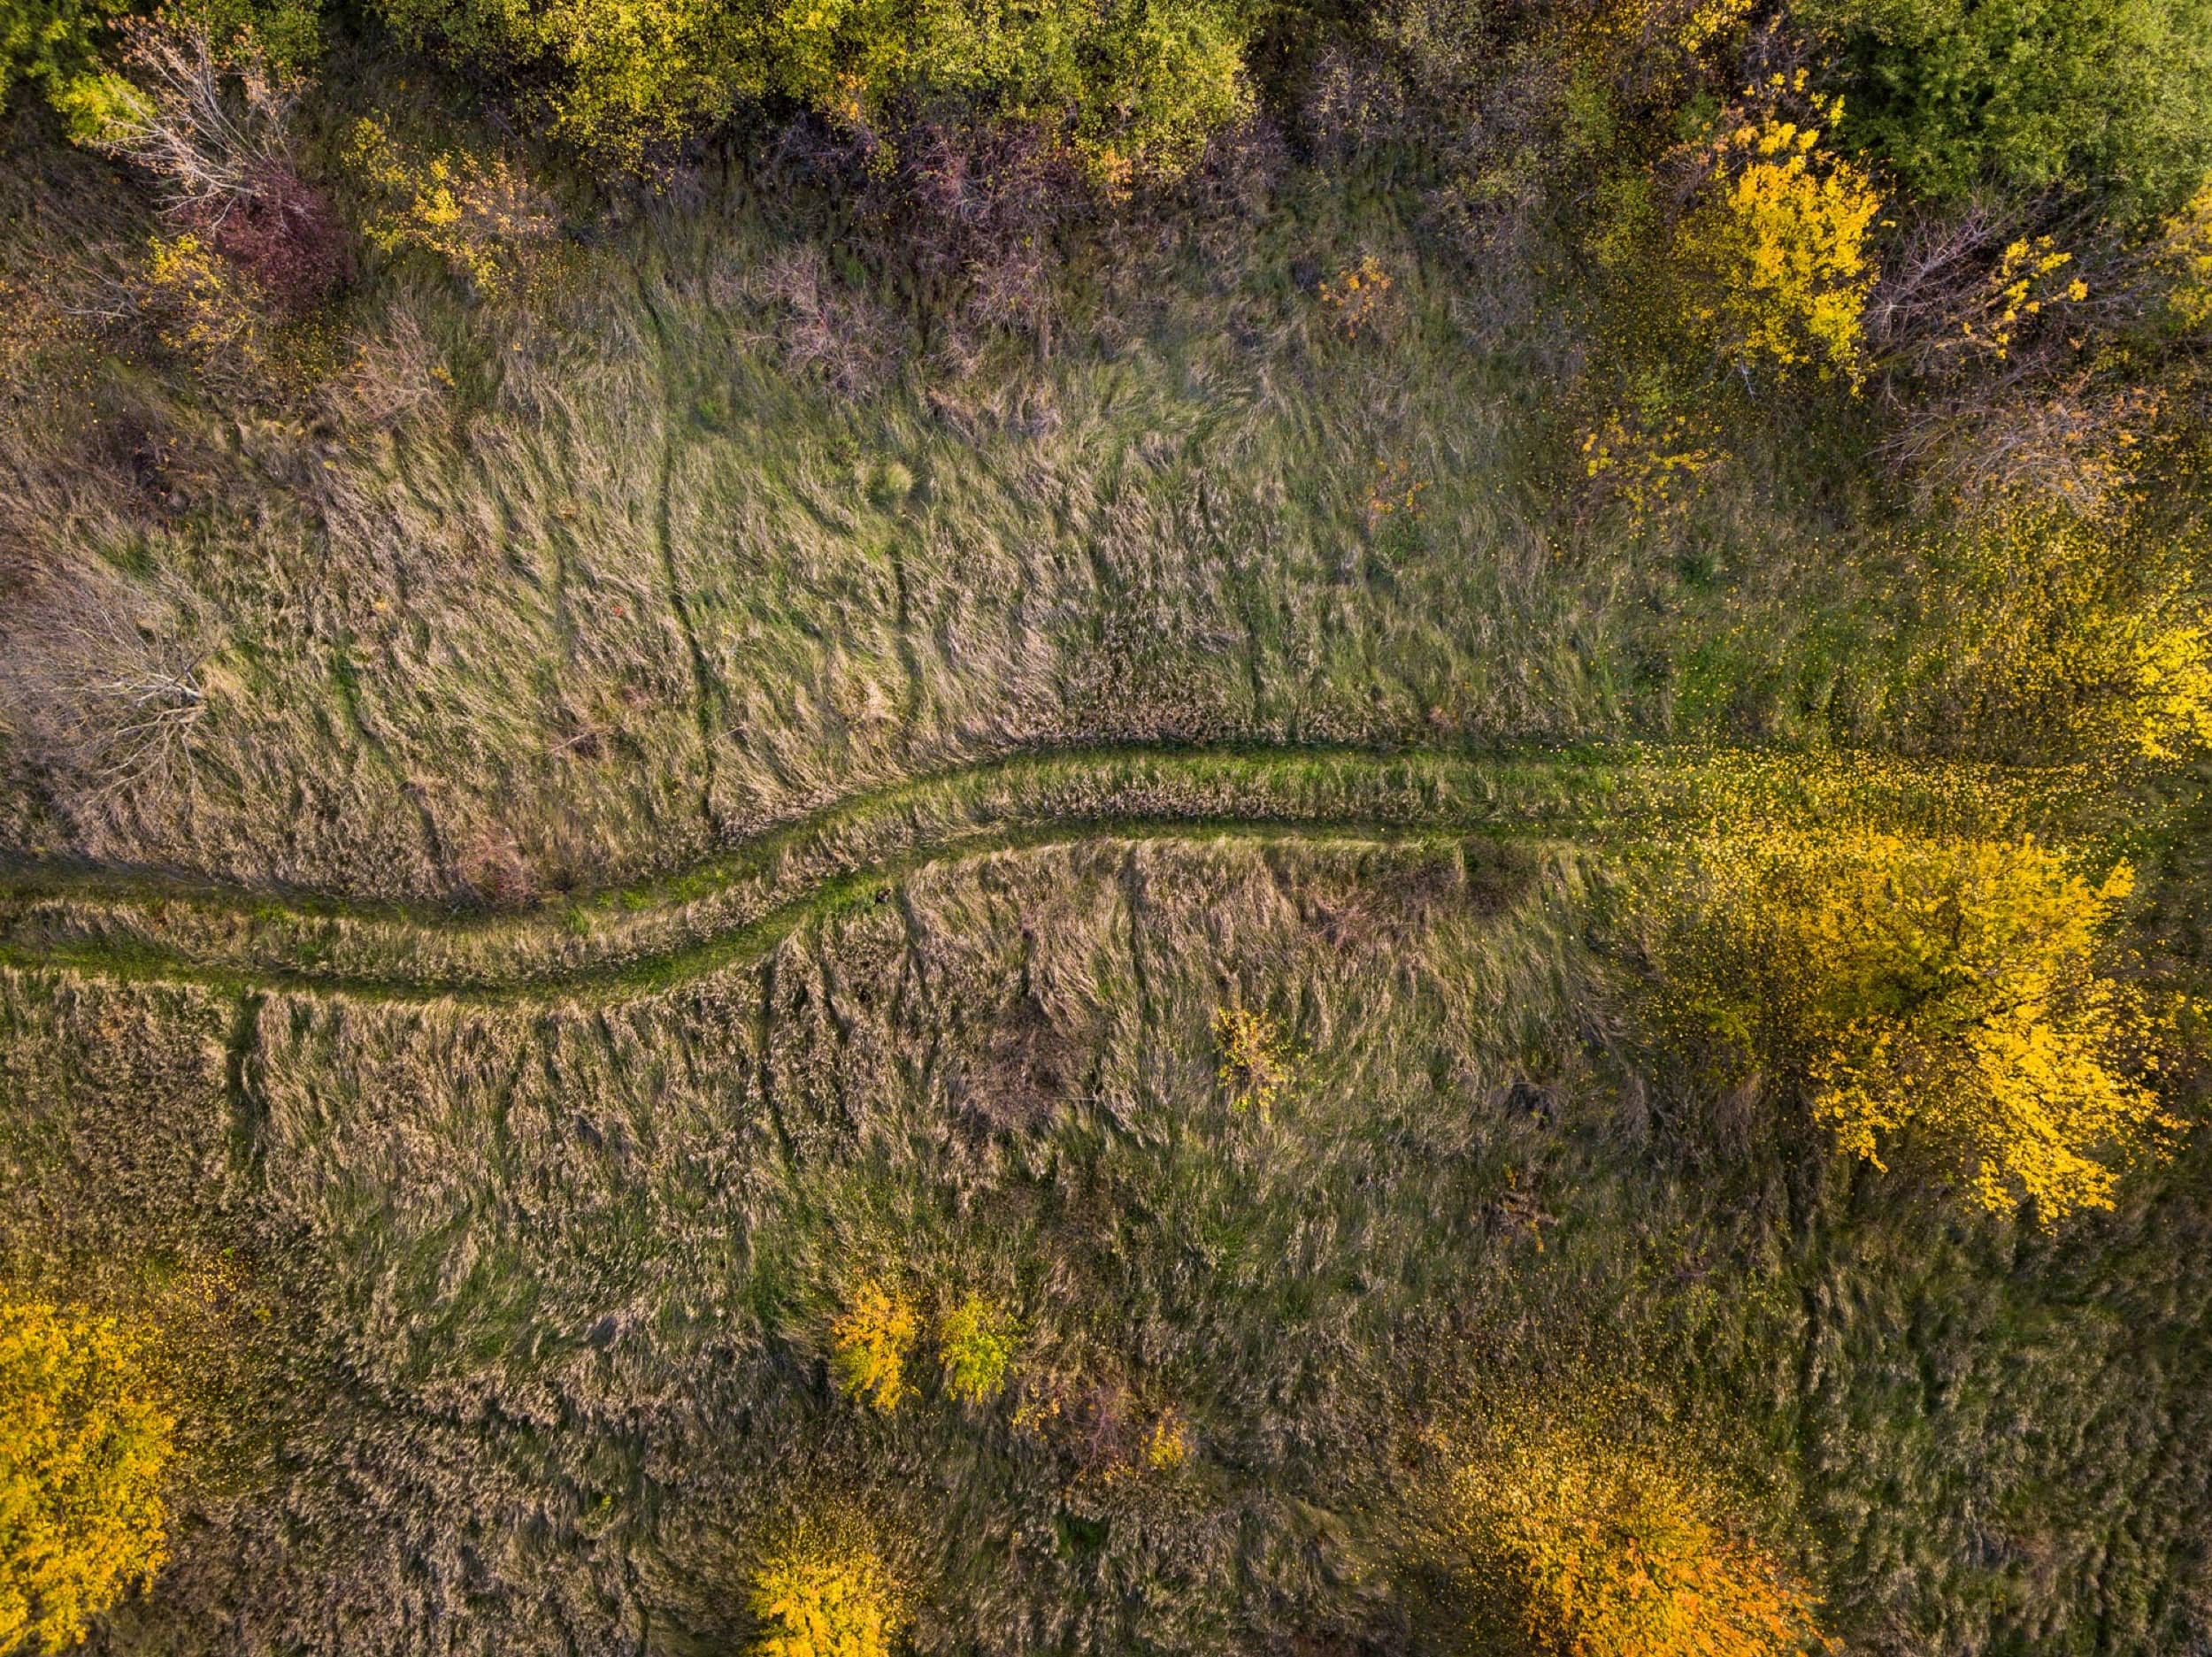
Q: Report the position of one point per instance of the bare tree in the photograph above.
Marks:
(216, 129)
(211, 147)
(103, 698)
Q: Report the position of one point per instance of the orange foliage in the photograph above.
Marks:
(1589, 1549)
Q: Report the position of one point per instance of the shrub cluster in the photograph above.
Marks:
(1133, 86)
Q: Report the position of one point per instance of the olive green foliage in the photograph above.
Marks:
(1136, 86)
(2112, 95)
(56, 43)
(977, 1342)
(1254, 1057)
(52, 42)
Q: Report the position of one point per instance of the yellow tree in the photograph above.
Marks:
(869, 1342)
(1941, 995)
(1583, 1547)
(824, 1594)
(83, 1452)
(1777, 253)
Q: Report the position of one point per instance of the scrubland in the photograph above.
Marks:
(809, 881)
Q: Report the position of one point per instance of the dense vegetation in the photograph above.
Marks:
(1105, 825)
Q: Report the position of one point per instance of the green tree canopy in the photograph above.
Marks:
(1136, 85)
(2111, 95)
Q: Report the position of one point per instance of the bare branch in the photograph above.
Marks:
(101, 697)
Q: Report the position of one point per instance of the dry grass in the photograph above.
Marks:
(536, 592)
(629, 939)
(562, 1275)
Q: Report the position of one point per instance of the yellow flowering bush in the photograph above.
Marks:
(821, 1596)
(1585, 1549)
(1778, 253)
(1395, 491)
(83, 1451)
(2185, 253)
(475, 214)
(1945, 994)
(1354, 296)
(870, 1343)
(1255, 1061)
(977, 1342)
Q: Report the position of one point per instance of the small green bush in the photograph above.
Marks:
(2113, 94)
(977, 1343)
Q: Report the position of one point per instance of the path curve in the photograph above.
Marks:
(738, 904)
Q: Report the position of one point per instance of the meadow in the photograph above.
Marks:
(721, 909)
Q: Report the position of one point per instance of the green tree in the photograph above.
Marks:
(56, 43)
(2114, 95)
(977, 1342)
(1134, 86)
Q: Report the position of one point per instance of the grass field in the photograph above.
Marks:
(680, 829)
(551, 1283)
(543, 592)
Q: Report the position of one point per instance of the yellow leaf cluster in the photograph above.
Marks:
(1355, 295)
(2169, 712)
(2185, 252)
(1395, 491)
(1652, 464)
(822, 1597)
(1167, 1447)
(870, 1343)
(2027, 278)
(82, 1454)
(1255, 1063)
(1943, 995)
(197, 302)
(475, 213)
(1778, 251)
(1596, 1550)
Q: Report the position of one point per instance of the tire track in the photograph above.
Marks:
(738, 905)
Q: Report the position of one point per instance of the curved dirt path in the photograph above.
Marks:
(738, 904)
